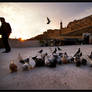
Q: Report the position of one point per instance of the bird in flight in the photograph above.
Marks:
(48, 20)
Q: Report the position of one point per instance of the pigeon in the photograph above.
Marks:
(77, 61)
(59, 60)
(77, 52)
(61, 54)
(48, 20)
(90, 56)
(59, 48)
(20, 59)
(46, 59)
(26, 60)
(39, 61)
(50, 61)
(84, 61)
(32, 63)
(54, 51)
(34, 58)
(12, 67)
(46, 54)
(72, 59)
(64, 60)
(40, 51)
(80, 54)
(66, 55)
(25, 67)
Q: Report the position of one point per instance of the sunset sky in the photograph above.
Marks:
(30, 19)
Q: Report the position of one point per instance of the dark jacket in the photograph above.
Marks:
(5, 29)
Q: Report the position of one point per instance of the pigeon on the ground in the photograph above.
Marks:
(59, 48)
(40, 51)
(54, 51)
(12, 67)
(25, 67)
(90, 56)
(77, 52)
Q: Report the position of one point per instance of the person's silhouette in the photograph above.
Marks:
(5, 31)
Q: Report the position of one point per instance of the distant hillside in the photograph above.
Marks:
(38, 37)
(79, 32)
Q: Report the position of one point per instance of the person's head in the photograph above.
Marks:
(2, 19)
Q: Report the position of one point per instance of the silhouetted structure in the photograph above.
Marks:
(71, 34)
(5, 31)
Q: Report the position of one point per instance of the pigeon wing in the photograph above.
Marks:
(48, 20)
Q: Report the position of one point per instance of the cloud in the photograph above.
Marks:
(85, 13)
(29, 19)
(81, 15)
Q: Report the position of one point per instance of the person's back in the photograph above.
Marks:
(6, 29)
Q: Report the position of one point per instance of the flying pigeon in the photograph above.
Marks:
(48, 20)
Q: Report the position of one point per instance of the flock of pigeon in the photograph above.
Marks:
(44, 59)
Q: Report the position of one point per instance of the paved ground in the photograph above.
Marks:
(62, 77)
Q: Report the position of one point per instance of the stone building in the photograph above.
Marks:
(74, 29)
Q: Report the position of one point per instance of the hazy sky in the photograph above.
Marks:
(29, 19)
